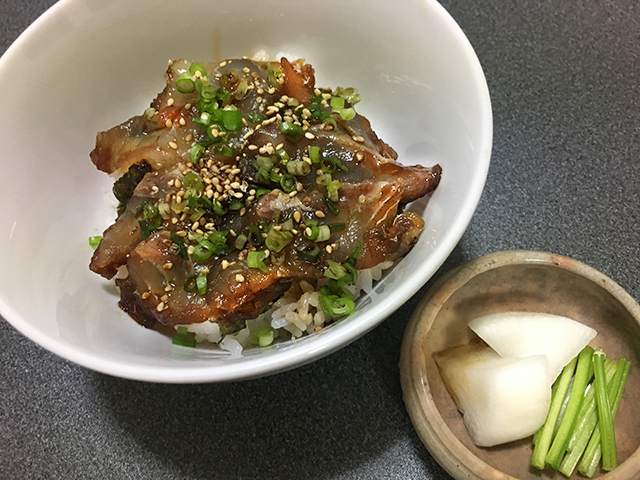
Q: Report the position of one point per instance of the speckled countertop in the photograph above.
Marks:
(564, 77)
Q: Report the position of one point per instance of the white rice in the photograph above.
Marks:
(293, 315)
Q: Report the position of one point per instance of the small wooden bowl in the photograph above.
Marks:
(515, 281)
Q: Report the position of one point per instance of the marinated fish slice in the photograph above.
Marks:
(176, 207)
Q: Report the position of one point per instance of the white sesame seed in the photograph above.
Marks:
(225, 264)
(297, 216)
(320, 214)
(173, 145)
(328, 249)
(309, 135)
(359, 156)
(170, 102)
(168, 123)
(160, 307)
(145, 295)
(182, 121)
(239, 278)
(164, 297)
(188, 138)
(222, 64)
(252, 147)
(187, 106)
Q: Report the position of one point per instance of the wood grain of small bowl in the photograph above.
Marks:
(515, 281)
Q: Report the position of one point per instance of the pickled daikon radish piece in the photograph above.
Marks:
(523, 334)
(502, 399)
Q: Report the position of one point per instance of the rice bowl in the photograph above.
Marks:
(426, 97)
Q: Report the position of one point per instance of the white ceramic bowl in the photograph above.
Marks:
(86, 66)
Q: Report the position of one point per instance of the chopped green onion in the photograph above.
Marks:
(323, 180)
(147, 228)
(349, 94)
(298, 168)
(190, 284)
(241, 240)
(314, 153)
(332, 207)
(231, 118)
(203, 251)
(332, 190)
(308, 251)
(331, 163)
(256, 260)
(283, 155)
(288, 182)
(185, 84)
(347, 113)
(287, 225)
(354, 255)
(255, 117)
(236, 205)
(95, 241)
(192, 180)
(179, 242)
(277, 239)
(335, 271)
(327, 165)
(225, 151)
(263, 337)
(337, 102)
(292, 131)
(201, 283)
(254, 234)
(312, 232)
(204, 119)
(336, 227)
(218, 208)
(333, 305)
(196, 67)
(274, 74)
(182, 339)
(324, 233)
(149, 211)
(195, 153)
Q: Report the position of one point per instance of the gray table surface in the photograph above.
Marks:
(564, 77)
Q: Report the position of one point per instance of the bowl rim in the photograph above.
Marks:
(445, 447)
(320, 345)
